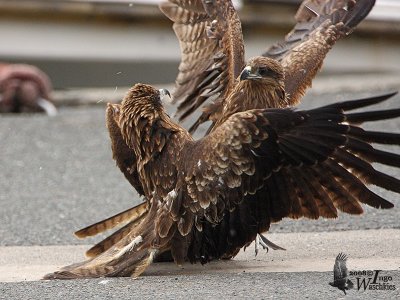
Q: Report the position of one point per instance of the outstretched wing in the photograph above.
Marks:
(340, 268)
(124, 156)
(289, 163)
(126, 161)
(320, 24)
(212, 54)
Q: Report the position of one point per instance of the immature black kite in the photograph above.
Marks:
(208, 198)
(212, 49)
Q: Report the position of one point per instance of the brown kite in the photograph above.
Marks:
(206, 199)
(212, 53)
(213, 66)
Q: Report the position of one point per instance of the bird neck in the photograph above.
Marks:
(255, 94)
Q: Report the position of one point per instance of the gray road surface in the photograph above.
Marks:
(310, 285)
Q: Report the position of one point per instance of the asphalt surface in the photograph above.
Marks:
(57, 175)
(310, 285)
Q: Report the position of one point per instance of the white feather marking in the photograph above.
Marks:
(199, 163)
(172, 194)
(136, 241)
(255, 154)
(152, 255)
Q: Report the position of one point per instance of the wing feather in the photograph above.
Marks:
(324, 174)
(320, 24)
(212, 52)
(340, 268)
(265, 165)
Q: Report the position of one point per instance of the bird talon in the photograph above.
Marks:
(259, 242)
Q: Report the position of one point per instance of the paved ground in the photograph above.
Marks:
(57, 175)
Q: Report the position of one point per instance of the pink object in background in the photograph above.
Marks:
(24, 88)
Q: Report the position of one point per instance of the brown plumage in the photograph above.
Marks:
(24, 88)
(124, 156)
(213, 65)
(125, 159)
(212, 50)
(208, 198)
(260, 85)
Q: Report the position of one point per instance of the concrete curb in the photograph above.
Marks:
(306, 252)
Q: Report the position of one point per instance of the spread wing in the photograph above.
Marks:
(212, 53)
(320, 24)
(125, 159)
(316, 161)
(206, 78)
(340, 268)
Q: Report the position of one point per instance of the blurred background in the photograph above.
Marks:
(104, 43)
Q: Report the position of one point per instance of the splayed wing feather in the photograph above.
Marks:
(212, 53)
(320, 24)
(212, 57)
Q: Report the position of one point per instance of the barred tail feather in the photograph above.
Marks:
(124, 217)
(111, 240)
(130, 256)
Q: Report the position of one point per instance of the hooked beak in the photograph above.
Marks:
(248, 74)
(163, 93)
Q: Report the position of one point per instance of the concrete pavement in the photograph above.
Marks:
(305, 252)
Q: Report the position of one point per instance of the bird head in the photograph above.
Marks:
(144, 101)
(141, 115)
(263, 70)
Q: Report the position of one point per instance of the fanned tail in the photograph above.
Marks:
(130, 256)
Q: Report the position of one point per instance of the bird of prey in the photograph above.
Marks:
(24, 88)
(340, 274)
(212, 53)
(206, 31)
(208, 198)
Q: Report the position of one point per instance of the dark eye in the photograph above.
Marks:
(263, 71)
